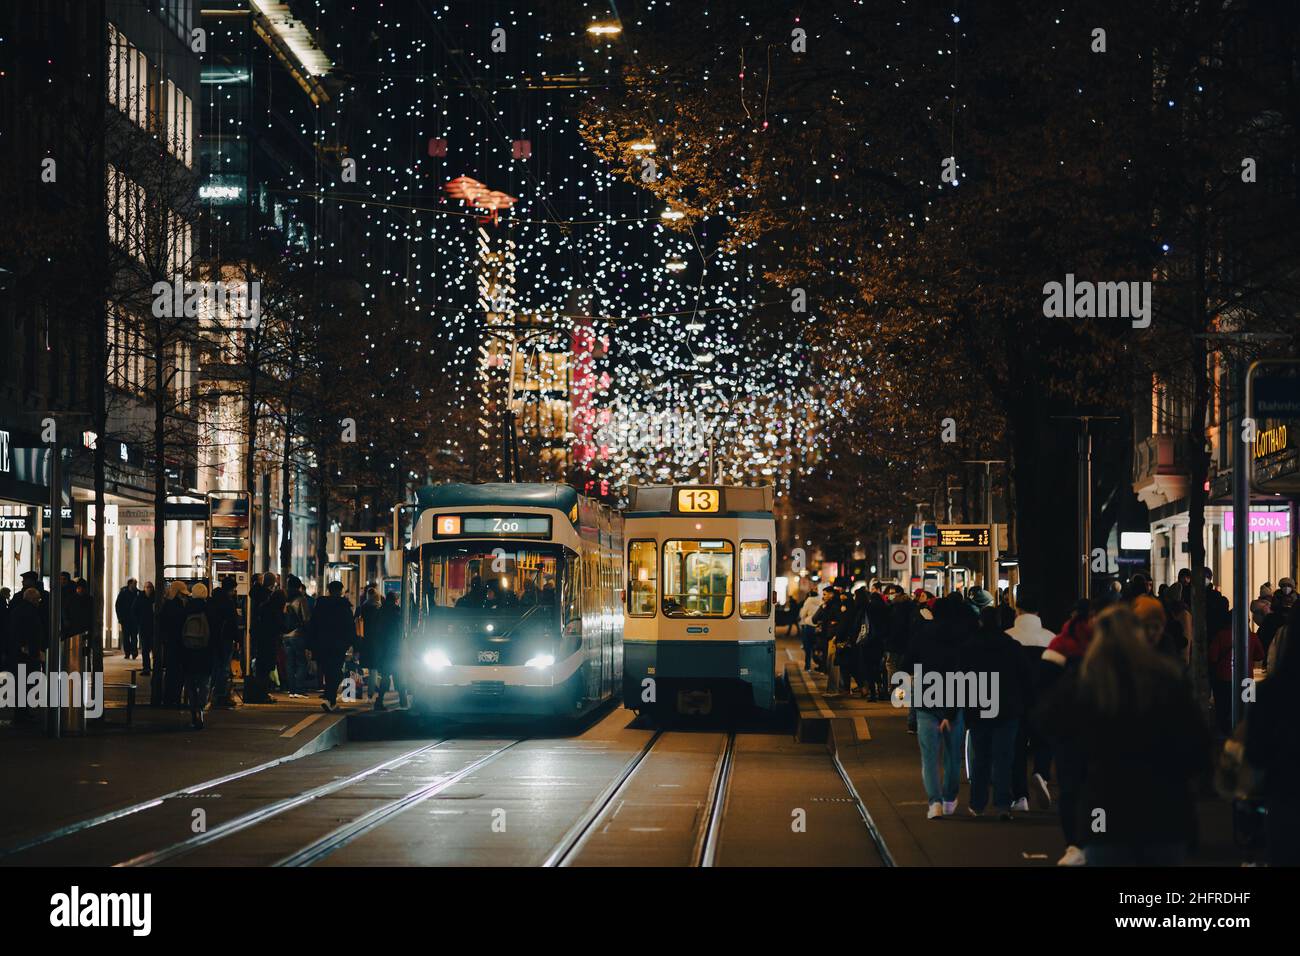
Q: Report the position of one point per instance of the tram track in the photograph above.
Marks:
(703, 851)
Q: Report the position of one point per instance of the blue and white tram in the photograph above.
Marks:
(700, 630)
(513, 595)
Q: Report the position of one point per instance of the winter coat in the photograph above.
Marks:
(1220, 653)
(372, 642)
(124, 607)
(197, 662)
(995, 652)
(1137, 766)
(331, 631)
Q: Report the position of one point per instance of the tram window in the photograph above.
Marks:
(456, 577)
(698, 578)
(643, 578)
(755, 579)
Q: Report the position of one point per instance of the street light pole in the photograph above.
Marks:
(992, 554)
(1084, 500)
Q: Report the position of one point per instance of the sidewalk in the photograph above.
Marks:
(57, 782)
(883, 761)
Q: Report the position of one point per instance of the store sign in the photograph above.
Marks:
(1270, 442)
(4, 452)
(1261, 522)
(15, 524)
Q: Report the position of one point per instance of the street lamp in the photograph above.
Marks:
(604, 29)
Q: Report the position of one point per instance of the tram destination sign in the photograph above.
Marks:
(493, 526)
(963, 537)
(699, 500)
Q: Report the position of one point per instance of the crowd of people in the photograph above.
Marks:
(1099, 719)
(191, 642)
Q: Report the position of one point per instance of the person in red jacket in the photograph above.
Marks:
(1219, 625)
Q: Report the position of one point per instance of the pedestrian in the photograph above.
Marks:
(124, 610)
(371, 638)
(171, 622)
(268, 631)
(807, 629)
(1272, 747)
(1260, 607)
(1143, 741)
(1031, 743)
(223, 622)
(143, 612)
(330, 634)
(1059, 665)
(384, 649)
(196, 653)
(934, 647)
(297, 616)
(994, 657)
(1218, 625)
(1163, 633)
(1276, 619)
(872, 647)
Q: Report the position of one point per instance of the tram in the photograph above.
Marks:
(513, 598)
(699, 634)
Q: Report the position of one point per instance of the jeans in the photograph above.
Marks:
(939, 745)
(992, 754)
(331, 669)
(1125, 854)
(295, 657)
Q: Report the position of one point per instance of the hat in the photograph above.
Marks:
(199, 591)
(1148, 610)
(980, 597)
(1286, 583)
(1029, 631)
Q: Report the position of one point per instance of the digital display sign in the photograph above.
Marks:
(362, 542)
(493, 526)
(957, 538)
(699, 500)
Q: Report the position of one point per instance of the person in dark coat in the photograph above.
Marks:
(196, 653)
(330, 634)
(268, 631)
(124, 611)
(171, 620)
(28, 629)
(384, 652)
(1134, 721)
(935, 636)
(223, 621)
(1273, 747)
(872, 649)
(371, 641)
(993, 655)
(143, 610)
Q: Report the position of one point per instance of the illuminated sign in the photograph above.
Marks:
(1261, 522)
(19, 524)
(1270, 442)
(4, 451)
(362, 542)
(220, 192)
(494, 526)
(957, 537)
(699, 500)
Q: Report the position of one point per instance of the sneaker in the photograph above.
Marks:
(973, 812)
(1021, 805)
(1073, 857)
(1042, 795)
(949, 807)
(1005, 815)
(935, 811)
(327, 706)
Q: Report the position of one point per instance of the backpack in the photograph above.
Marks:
(194, 633)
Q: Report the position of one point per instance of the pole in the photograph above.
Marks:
(991, 581)
(1085, 508)
(1240, 555)
(54, 657)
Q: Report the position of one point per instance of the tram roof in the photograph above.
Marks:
(498, 495)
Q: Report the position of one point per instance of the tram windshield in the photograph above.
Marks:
(698, 578)
(507, 580)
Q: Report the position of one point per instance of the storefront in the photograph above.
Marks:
(24, 499)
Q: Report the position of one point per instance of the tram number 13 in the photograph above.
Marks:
(697, 500)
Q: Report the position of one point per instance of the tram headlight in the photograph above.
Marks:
(436, 660)
(541, 661)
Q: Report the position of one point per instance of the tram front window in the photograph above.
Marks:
(508, 581)
(698, 578)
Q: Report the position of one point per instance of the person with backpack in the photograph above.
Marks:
(196, 653)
